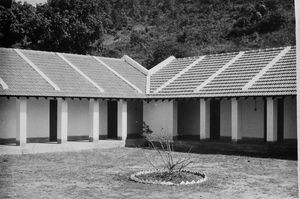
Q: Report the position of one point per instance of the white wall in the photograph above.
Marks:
(135, 117)
(78, 117)
(189, 117)
(252, 122)
(7, 118)
(290, 118)
(103, 117)
(159, 116)
(225, 117)
(37, 118)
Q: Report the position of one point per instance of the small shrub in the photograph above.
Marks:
(163, 145)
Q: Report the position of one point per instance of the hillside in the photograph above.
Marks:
(151, 30)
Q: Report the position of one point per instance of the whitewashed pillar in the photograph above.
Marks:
(235, 130)
(122, 119)
(271, 120)
(93, 120)
(21, 113)
(204, 119)
(174, 119)
(62, 121)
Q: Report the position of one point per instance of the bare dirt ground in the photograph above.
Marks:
(105, 174)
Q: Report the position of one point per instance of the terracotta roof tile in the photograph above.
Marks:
(279, 79)
(129, 72)
(64, 76)
(23, 80)
(112, 85)
(20, 77)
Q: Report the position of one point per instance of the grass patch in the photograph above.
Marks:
(105, 174)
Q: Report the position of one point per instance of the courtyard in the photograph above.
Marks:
(104, 173)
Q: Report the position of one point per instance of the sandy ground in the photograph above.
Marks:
(105, 174)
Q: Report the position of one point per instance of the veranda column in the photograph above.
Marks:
(235, 131)
(174, 119)
(62, 121)
(93, 120)
(204, 119)
(271, 120)
(21, 134)
(122, 119)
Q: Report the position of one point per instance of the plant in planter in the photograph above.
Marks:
(170, 171)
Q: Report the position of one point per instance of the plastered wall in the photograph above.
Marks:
(78, 117)
(251, 120)
(7, 118)
(102, 117)
(225, 118)
(159, 116)
(38, 118)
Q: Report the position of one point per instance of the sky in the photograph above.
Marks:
(33, 2)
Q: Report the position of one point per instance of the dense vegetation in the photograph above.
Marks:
(147, 30)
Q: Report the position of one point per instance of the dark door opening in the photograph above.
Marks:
(214, 119)
(280, 118)
(53, 121)
(112, 119)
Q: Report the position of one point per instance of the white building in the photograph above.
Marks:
(241, 97)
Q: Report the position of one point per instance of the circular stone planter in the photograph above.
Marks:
(198, 178)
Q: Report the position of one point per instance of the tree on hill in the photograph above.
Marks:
(170, 27)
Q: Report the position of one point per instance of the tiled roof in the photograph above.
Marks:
(167, 72)
(23, 80)
(126, 70)
(268, 72)
(279, 79)
(20, 77)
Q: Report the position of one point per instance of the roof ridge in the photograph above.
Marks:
(80, 72)
(234, 52)
(54, 52)
(135, 64)
(218, 72)
(179, 74)
(3, 84)
(37, 69)
(117, 74)
(252, 81)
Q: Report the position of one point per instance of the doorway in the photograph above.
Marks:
(53, 121)
(214, 119)
(112, 120)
